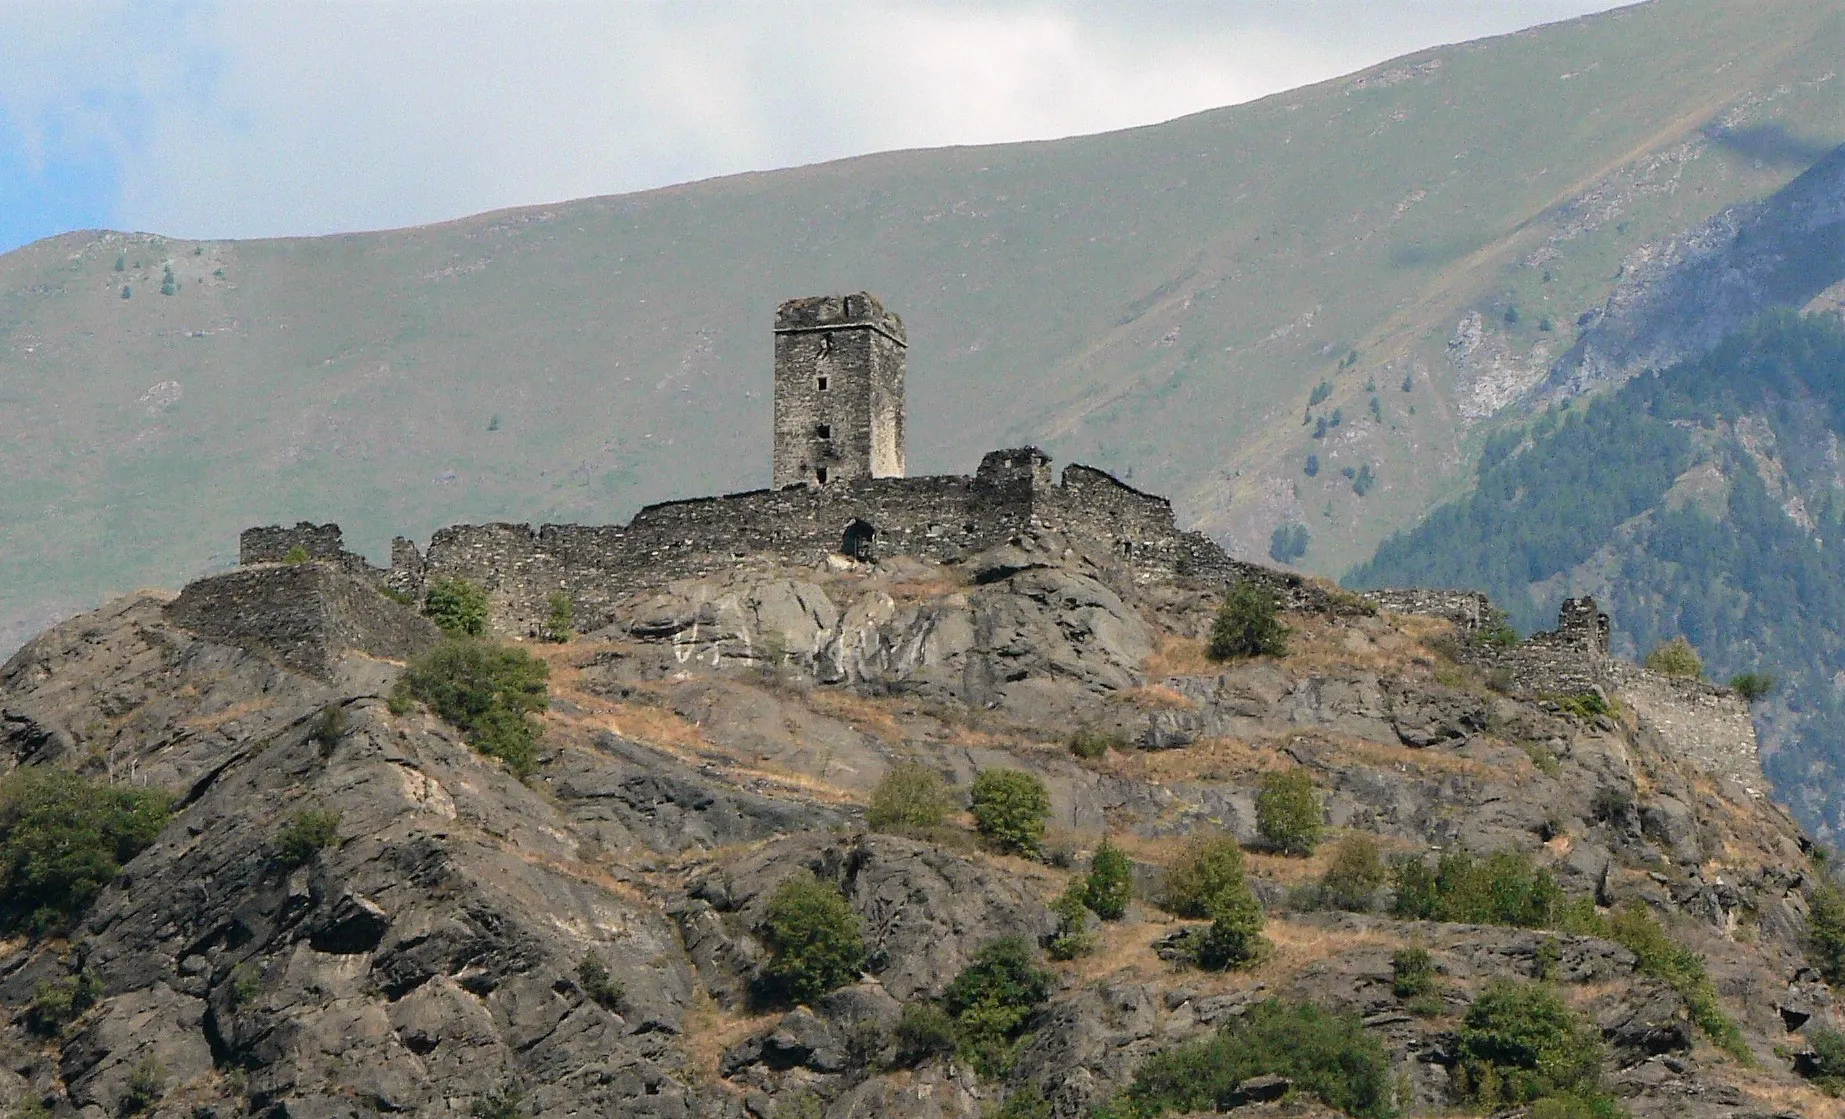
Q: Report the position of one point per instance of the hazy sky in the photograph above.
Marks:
(243, 119)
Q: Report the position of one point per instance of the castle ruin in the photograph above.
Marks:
(840, 492)
(839, 489)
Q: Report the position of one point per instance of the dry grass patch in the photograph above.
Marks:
(1156, 697)
(859, 713)
(1208, 759)
(234, 711)
(710, 1030)
(1125, 950)
(1320, 644)
(1298, 946)
(1179, 656)
(1783, 1094)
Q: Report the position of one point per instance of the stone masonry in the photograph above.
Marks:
(839, 366)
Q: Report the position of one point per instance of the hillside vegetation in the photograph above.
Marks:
(1421, 239)
(1706, 502)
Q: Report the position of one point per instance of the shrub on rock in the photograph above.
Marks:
(1521, 1042)
(486, 690)
(911, 798)
(1248, 625)
(1288, 812)
(1110, 884)
(1353, 875)
(993, 999)
(1209, 865)
(813, 939)
(63, 838)
(1010, 808)
(1676, 658)
(1323, 1053)
(458, 606)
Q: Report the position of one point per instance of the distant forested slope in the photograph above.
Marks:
(1707, 500)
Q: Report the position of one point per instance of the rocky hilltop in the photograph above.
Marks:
(430, 957)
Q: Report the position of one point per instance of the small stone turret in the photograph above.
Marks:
(839, 367)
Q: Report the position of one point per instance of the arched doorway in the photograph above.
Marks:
(859, 541)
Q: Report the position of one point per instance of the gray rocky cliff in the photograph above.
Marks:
(723, 733)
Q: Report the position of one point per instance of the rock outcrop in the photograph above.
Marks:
(723, 733)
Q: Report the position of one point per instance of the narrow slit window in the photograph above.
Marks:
(820, 382)
(820, 474)
(824, 431)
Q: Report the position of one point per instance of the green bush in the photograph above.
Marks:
(1327, 1054)
(924, 1030)
(1208, 866)
(1826, 1067)
(1412, 972)
(1583, 705)
(63, 838)
(1111, 882)
(303, 837)
(1826, 931)
(1521, 1042)
(1753, 687)
(602, 988)
(1676, 658)
(1248, 625)
(1353, 875)
(1072, 938)
(58, 1003)
(992, 1001)
(146, 1085)
(560, 619)
(1025, 1102)
(485, 690)
(246, 984)
(1010, 808)
(458, 606)
(813, 939)
(1233, 940)
(1091, 743)
(1288, 813)
(911, 798)
(1634, 927)
(1502, 889)
(329, 727)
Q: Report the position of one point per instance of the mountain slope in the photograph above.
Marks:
(1707, 501)
(1160, 301)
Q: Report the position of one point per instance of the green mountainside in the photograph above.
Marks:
(1707, 501)
(1422, 239)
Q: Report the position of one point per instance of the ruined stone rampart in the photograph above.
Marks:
(303, 615)
(1708, 725)
(1468, 610)
(304, 541)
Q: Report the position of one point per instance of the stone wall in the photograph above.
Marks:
(278, 544)
(303, 615)
(1708, 725)
(1468, 610)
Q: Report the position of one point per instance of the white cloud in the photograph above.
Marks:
(250, 120)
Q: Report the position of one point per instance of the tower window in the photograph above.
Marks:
(821, 383)
(823, 431)
(820, 474)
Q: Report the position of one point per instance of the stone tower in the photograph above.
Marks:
(839, 363)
